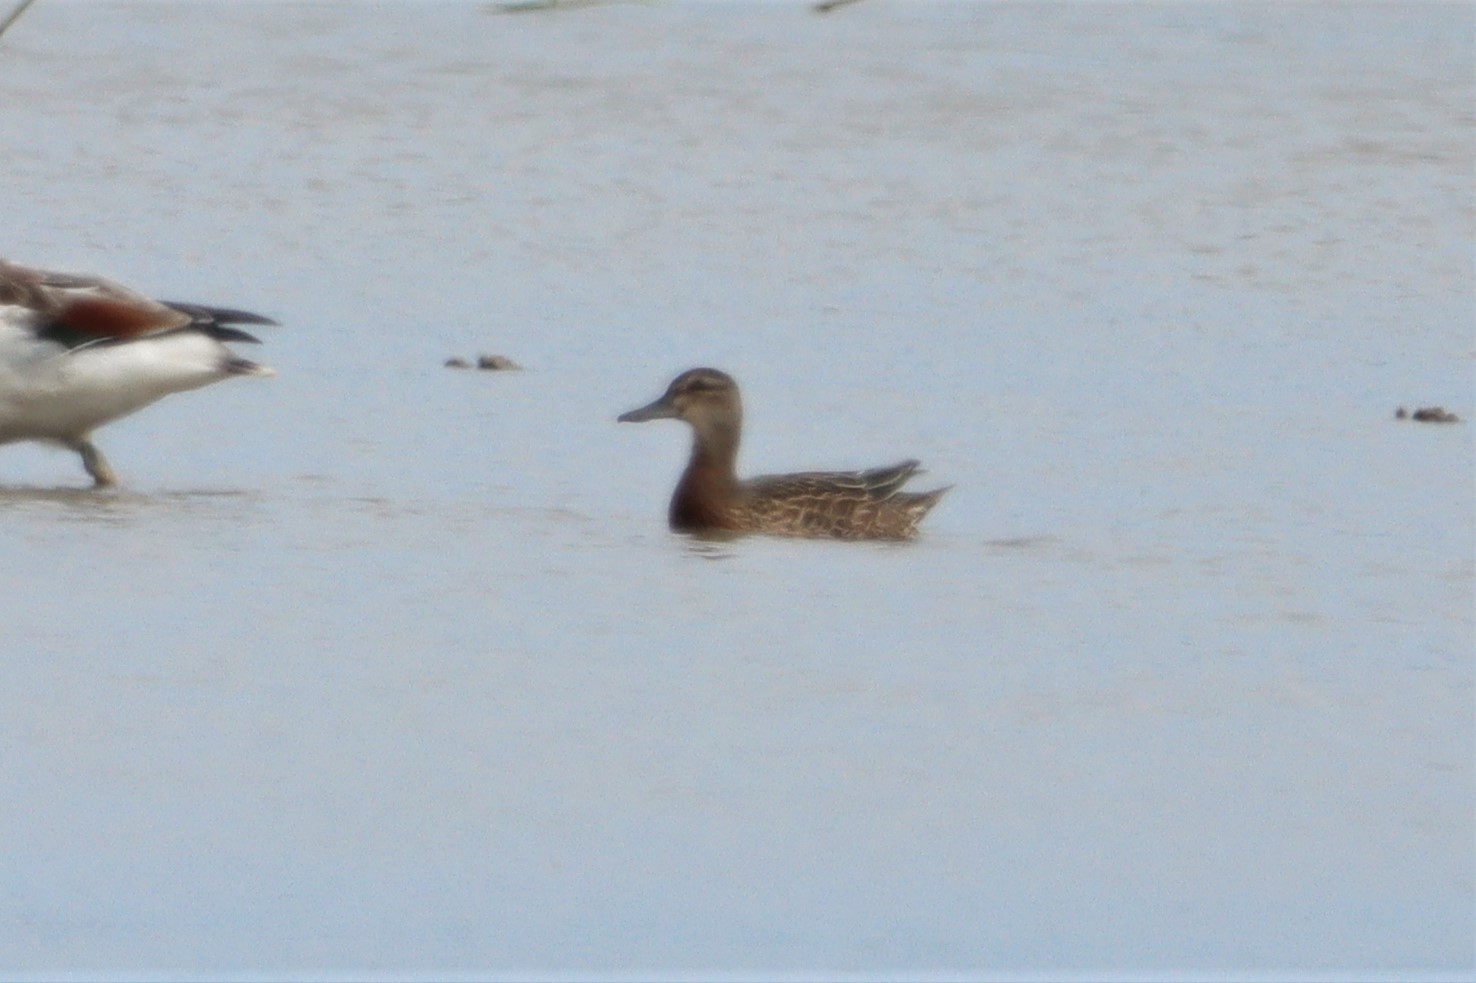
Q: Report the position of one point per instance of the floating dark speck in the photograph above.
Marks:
(1427, 414)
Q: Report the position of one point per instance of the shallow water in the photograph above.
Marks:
(379, 667)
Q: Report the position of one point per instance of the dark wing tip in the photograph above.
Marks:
(219, 315)
(222, 333)
(921, 503)
(228, 316)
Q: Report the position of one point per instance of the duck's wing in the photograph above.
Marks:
(839, 504)
(75, 310)
(217, 321)
(874, 483)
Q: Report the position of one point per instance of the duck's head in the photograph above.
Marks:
(705, 398)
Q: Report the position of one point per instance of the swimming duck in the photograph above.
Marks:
(77, 352)
(710, 498)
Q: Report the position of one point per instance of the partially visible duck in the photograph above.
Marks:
(710, 498)
(77, 352)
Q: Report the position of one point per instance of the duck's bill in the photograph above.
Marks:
(659, 410)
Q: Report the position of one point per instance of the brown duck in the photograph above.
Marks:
(710, 498)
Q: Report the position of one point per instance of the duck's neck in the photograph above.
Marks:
(708, 491)
(715, 449)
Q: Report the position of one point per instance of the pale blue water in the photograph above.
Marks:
(381, 668)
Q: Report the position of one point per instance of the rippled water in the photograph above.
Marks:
(378, 667)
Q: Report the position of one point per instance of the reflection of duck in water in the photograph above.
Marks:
(710, 498)
(77, 352)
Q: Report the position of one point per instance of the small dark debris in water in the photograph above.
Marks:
(1435, 414)
(490, 363)
(826, 6)
(530, 6)
(1427, 414)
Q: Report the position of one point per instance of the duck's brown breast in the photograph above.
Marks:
(705, 500)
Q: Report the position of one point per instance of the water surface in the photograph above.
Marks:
(381, 668)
